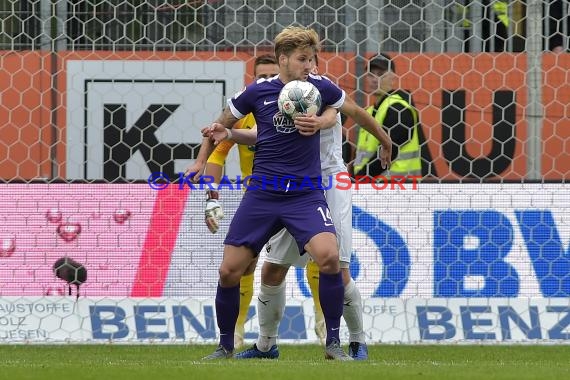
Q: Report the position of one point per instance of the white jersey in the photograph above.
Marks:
(284, 249)
(331, 150)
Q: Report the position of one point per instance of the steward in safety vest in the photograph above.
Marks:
(395, 113)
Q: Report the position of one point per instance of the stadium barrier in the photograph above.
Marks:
(440, 263)
(473, 110)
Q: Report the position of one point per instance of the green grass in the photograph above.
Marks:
(84, 362)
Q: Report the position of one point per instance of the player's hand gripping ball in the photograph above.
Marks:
(299, 98)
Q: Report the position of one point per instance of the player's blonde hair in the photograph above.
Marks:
(296, 37)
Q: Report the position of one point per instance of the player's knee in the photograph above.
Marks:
(273, 274)
(328, 261)
(229, 276)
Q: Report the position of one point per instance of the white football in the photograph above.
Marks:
(299, 98)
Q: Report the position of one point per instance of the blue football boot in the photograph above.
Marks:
(255, 353)
(358, 351)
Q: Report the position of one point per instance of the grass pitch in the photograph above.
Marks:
(153, 362)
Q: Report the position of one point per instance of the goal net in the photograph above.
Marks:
(100, 99)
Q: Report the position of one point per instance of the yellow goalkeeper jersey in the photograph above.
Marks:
(246, 152)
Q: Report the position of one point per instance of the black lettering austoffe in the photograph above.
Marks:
(454, 135)
(121, 143)
(12, 321)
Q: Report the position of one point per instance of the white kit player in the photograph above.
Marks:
(283, 253)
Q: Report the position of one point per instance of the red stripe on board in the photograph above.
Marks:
(159, 242)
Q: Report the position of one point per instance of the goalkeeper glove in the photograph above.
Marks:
(213, 213)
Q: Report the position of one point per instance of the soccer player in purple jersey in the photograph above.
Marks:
(284, 160)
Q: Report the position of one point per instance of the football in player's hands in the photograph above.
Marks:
(299, 98)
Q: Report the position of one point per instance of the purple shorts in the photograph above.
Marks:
(261, 214)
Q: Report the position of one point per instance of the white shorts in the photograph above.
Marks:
(282, 247)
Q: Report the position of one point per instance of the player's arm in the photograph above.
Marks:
(240, 136)
(197, 167)
(214, 167)
(227, 120)
(213, 212)
(217, 160)
(366, 121)
(399, 124)
(309, 125)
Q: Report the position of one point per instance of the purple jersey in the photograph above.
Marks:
(280, 150)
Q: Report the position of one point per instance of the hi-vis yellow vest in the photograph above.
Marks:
(501, 9)
(408, 161)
